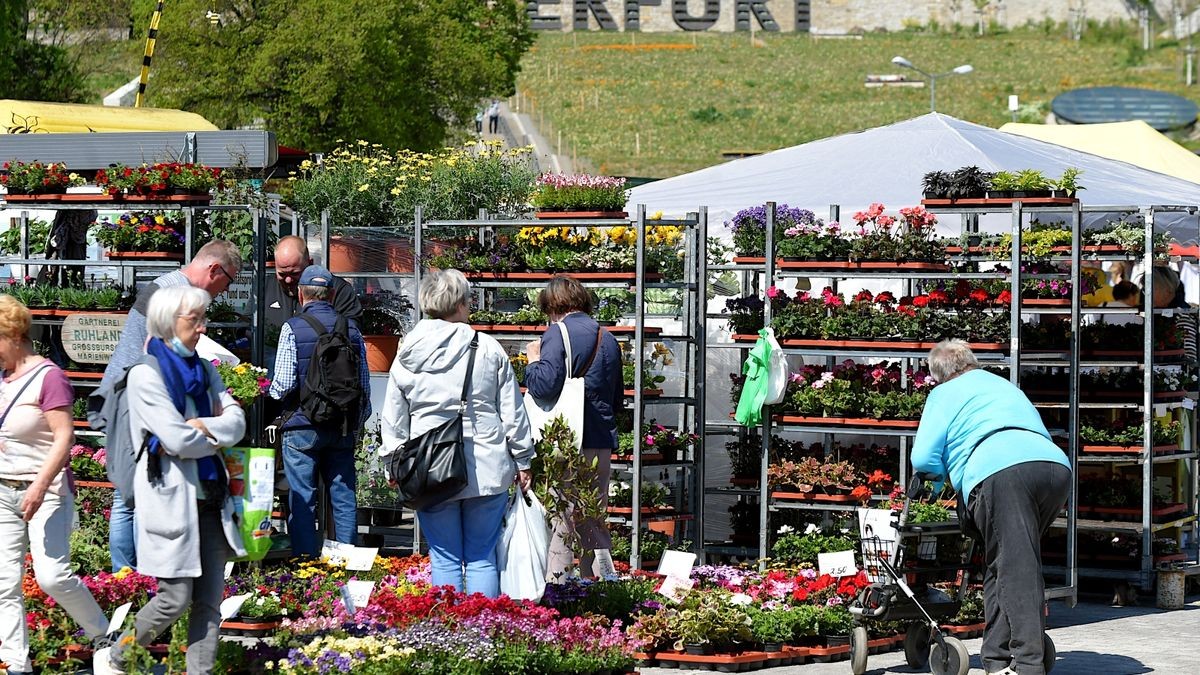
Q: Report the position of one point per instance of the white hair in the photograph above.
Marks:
(442, 292)
(950, 358)
(168, 303)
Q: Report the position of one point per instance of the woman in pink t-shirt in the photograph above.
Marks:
(36, 502)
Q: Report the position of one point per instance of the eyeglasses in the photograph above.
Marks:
(196, 321)
(226, 273)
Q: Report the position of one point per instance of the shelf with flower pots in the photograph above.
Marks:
(506, 260)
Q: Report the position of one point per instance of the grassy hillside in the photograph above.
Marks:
(693, 97)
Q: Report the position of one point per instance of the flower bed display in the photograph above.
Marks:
(142, 235)
(857, 394)
(47, 300)
(579, 196)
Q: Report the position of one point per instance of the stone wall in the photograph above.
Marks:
(817, 16)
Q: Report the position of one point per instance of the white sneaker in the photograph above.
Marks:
(1006, 671)
(102, 663)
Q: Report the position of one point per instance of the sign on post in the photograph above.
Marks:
(92, 337)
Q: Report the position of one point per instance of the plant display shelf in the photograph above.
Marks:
(997, 204)
(51, 200)
(875, 346)
(1097, 525)
(688, 408)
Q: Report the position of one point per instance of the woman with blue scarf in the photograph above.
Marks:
(186, 528)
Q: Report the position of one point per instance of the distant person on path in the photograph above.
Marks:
(213, 268)
(493, 115)
(479, 121)
(983, 434)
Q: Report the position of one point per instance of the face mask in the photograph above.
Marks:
(181, 349)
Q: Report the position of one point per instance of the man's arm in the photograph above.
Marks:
(346, 302)
(285, 364)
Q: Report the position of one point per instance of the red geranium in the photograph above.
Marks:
(920, 300)
(938, 296)
(979, 295)
(1004, 298)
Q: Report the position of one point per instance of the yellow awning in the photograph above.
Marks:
(1134, 142)
(38, 117)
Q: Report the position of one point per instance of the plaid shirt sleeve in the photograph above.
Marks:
(285, 364)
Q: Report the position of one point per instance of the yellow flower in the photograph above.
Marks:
(364, 187)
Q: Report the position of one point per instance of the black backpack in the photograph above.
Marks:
(332, 393)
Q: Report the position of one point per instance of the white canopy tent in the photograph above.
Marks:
(886, 165)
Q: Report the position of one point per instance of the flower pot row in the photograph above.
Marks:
(787, 263)
(870, 343)
(181, 198)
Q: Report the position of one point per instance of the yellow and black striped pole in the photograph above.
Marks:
(150, 38)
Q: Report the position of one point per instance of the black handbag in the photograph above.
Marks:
(432, 467)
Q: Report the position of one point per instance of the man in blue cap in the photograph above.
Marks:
(322, 410)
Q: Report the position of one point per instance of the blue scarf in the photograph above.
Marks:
(185, 378)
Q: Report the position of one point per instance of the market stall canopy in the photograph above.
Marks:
(24, 117)
(886, 164)
(1135, 142)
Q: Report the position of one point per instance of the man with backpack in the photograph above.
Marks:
(322, 380)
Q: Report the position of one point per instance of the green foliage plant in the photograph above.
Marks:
(564, 479)
(39, 234)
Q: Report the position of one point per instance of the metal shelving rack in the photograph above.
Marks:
(689, 406)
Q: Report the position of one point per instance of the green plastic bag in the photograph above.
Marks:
(754, 393)
(252, 485)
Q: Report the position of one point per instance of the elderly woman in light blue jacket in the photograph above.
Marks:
(424, 387)
(186, 527)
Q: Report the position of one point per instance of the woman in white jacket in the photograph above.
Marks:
(186, 526)
(423, 392)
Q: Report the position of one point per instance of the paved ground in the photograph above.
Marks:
(1091, 639)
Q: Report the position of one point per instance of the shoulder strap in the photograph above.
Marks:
(462, 401)
(595, 349)
(315, 323)
(28, 381)
(570, 358)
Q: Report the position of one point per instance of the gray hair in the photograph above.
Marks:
(168, 303)
(442, 292)
(316, 292)
(950, 358)
(225, 253)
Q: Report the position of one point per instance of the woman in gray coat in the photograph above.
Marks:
(186, 528)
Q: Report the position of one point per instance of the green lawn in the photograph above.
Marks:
(106, 66)
(691, 103)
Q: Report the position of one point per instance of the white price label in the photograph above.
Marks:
(677, 564)
(230, 606)
(357, 594)
(603, 567)
(674, 589)
(840, 564)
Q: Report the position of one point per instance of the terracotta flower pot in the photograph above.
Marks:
(381, 351)
(345, 254)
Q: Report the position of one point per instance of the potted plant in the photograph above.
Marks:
(1003, 184)
(382, 325)
(46, 180)
(262, 608)
(936, 185)
(141, 235)
(772, 627)
(190, 179)
(244, 382)
(1031, 183)
(579, 196)
(39, 234)
(968, 182)
(1067, 184)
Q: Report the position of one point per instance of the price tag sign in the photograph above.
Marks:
(603, 567)
(357, 594)
(677, 564)
(228, 569)
(118, 617)
(350, 557)
(674, 588)
(840, 564)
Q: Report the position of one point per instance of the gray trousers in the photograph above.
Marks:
(202, 594)
(1013, 509)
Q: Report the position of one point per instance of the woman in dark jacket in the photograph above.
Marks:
(594, 349)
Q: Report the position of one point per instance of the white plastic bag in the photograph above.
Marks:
(777, 374)
(523, 548)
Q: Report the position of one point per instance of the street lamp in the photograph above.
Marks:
(961, 70)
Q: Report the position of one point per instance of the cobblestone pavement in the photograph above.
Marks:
(1091, 639)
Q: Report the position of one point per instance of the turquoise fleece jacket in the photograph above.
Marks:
(962, 411)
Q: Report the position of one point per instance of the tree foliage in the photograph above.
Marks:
(403, 73)
(30, 70)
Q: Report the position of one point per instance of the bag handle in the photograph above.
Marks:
(462, 401)
(596, 348)
(562, 326)
(28, 381)
(570, 358)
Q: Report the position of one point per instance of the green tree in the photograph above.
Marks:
(404, 73)
(31, 70)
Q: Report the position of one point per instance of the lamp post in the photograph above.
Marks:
(961, 70)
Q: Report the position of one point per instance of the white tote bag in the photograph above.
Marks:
(569, 404)
(777, 374)
(523, 548)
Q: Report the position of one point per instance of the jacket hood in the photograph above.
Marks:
(435, 346)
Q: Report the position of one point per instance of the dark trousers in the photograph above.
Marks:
(1013, 509)
(493, 124)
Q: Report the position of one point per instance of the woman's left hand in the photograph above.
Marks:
(32, 501)
(195, 422)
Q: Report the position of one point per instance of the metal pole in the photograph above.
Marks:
(639, 346)
(764, 505)
(700, 414)
(1146, 562)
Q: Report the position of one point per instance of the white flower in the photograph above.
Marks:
(812, 527)
(786, 529)
(740, 599)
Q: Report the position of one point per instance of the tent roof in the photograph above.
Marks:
(1135, 142)
(886, 164)
(41, 117)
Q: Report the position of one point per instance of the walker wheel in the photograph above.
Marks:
(858, 650)
(1048, 653)
(953, 659)
(916, 645)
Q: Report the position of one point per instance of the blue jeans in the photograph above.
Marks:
(305, 453)
(121, 523)
(465, 532)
